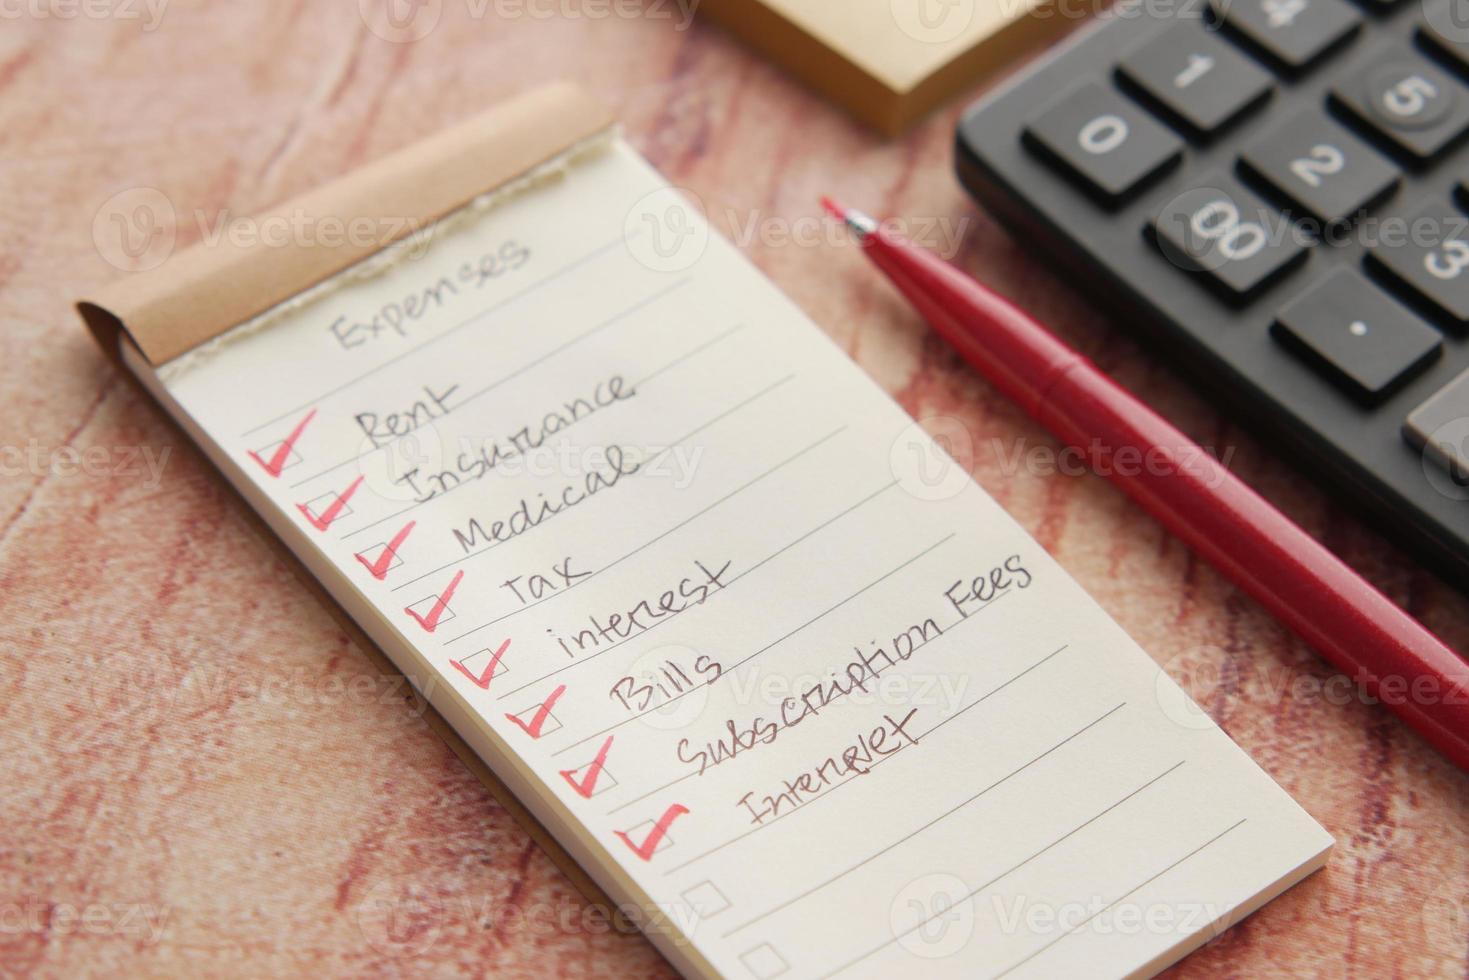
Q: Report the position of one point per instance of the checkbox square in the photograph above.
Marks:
(316, 505)
(424, 608)
(605, 779)
(268, 453)
(641, 831)
(764, 962)
(480, 659)
(705, 899)
(551, 724)
(376, 553)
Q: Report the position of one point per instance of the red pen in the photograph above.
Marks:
(1355, 627)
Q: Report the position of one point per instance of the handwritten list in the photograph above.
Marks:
(724, 618)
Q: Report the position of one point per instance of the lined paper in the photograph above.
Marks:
(731, 625)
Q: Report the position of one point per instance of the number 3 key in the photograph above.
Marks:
(1431, 257)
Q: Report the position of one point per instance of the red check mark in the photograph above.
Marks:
(324, 520)
(277, 461)
(482, 681)
(648, 846)
(379, 567)
(533, 727)
(431, 621)
(588, 783)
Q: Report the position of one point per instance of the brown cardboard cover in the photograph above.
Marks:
(201, 292)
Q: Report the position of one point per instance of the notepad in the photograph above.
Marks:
(791, 688)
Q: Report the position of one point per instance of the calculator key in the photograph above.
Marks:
(1431, 258)
(1407, 99)
(1364, 341)
(1293, 32)
(1321, 168)
(1446, 26)
(1197, 78)
(1106, 141)
(1440, 427)
(1228, 235)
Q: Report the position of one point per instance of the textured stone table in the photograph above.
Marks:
(201, 776)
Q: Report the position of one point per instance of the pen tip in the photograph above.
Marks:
(833, 208)
(861, 225)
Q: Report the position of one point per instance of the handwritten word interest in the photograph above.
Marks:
(645, 613)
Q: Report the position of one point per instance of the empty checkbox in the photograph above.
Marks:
(764, 962)
(705, 899)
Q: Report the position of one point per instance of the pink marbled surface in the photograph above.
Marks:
(197, 758)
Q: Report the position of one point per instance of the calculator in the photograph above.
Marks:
(1274, 194)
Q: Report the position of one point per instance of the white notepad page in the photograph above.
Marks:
(736, 632)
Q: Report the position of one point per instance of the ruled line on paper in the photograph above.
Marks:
(524, 291)
(560, 348)
(1013, 868)
(654, 792)
(693, 353)
(923, 735)
(445, 492)
(1141, 885)
(646, 467)
(649, 543)
(607, 649)
(769, 646)
(907, 837)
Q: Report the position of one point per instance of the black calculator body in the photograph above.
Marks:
(1274, 194)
